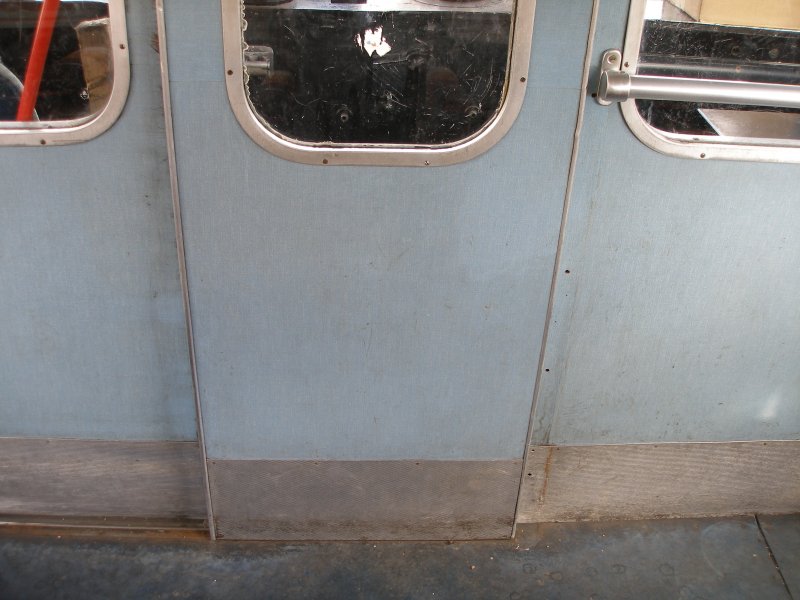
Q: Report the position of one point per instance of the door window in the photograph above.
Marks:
(63, 69)
(715, 78)
(377, 81)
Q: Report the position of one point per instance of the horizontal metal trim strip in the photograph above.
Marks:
(378, 6)
(103, 523)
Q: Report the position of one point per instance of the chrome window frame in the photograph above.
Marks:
(690, 146)
(73, 131)
(379, 154)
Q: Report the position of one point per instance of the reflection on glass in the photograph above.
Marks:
(77, 74)
(420, 72)
(724, 40)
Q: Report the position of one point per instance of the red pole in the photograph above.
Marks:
(39, 50)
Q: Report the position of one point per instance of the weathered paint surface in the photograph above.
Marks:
(92, 334)
(369, 313)
(676, 314)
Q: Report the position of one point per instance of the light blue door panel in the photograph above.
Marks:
(369, 313)
(92, 334)
(679, 319)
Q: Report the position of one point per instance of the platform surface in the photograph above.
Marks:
(690, 559)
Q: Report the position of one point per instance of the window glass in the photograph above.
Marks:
(733, 40)
(56, 61)
(388, 72)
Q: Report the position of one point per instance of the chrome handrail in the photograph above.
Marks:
(619, 86)
(616, 85)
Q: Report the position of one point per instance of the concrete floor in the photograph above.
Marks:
(690, 559)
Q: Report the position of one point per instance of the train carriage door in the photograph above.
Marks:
(377, 241)
(97, 418)
(372, 193)
(675, 316)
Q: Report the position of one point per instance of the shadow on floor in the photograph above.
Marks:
(689, 559)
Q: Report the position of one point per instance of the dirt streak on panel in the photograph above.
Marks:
(546, 475)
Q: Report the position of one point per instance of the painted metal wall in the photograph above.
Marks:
(380, 314)
(369, 313)
(92, 333)
(678, 319)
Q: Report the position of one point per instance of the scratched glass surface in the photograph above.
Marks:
(724, 41)
(78, 71)
(404, 72)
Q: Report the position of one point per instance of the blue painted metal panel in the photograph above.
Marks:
(679, 319)
(369, 313)
(92, 335)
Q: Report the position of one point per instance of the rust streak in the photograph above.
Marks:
(547, 464)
